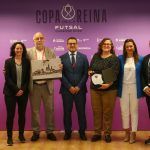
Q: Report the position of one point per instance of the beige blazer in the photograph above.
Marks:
(49, 54)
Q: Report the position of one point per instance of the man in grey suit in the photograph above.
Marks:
(73, 87)
(41, 90)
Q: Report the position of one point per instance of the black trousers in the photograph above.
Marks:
(80, 101)
(11, 102)
(148, 104)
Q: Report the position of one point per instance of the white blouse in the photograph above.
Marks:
(129, 71)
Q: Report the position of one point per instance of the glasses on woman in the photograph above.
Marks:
(107, 44)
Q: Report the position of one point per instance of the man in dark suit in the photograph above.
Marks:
(73, 87)
(146, 84)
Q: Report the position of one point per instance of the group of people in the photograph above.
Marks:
(132, 80)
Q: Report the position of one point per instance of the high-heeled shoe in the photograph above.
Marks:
(132, 137)
(127, 135)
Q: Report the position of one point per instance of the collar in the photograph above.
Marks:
(75, 53)
(39, 50)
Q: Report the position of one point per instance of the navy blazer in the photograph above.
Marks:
(76, 76)
(10, 87)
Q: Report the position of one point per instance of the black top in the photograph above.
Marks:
(10, 86)
(98, 64)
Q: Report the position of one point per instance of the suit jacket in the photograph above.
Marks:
(138, 76)
(10, 87)
(144, 71)
(49, 54)
(76, 76)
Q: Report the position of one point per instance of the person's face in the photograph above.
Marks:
(106, 47)
(129, 47)
(72, 45)
(18, 50)
(39, 40)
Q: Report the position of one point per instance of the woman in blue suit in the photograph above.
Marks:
(130, 88)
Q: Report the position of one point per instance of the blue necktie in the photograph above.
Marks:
(73, 60)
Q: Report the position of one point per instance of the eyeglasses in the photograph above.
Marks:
(39, 38)
(71, 43)
(107, 44)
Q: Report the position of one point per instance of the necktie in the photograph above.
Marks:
(73, 60)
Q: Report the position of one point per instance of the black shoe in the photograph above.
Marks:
(107, 138)
(22, 138)
(147, 141)
(96, 137)
(83, 137)
(35, 137)
(67, 136)
(51, 137)
(9, 141)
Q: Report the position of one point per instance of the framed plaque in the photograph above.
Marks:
(46, 69)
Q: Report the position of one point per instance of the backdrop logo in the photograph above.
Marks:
(68, 12)
(70, 15)
(16, 40)
(69, 18)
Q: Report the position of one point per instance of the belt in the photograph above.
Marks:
(40, 83)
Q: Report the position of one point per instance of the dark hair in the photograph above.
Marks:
(135, 53)
(72, 38)
(12, 49)
(101, 44)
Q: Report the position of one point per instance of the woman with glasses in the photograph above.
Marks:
(130, 88)
(103, 95)
(16, 88)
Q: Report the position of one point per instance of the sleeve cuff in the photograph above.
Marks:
(145, 88)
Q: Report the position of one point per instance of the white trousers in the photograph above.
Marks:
(129, 106)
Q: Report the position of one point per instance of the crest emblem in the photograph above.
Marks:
(68, 12)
